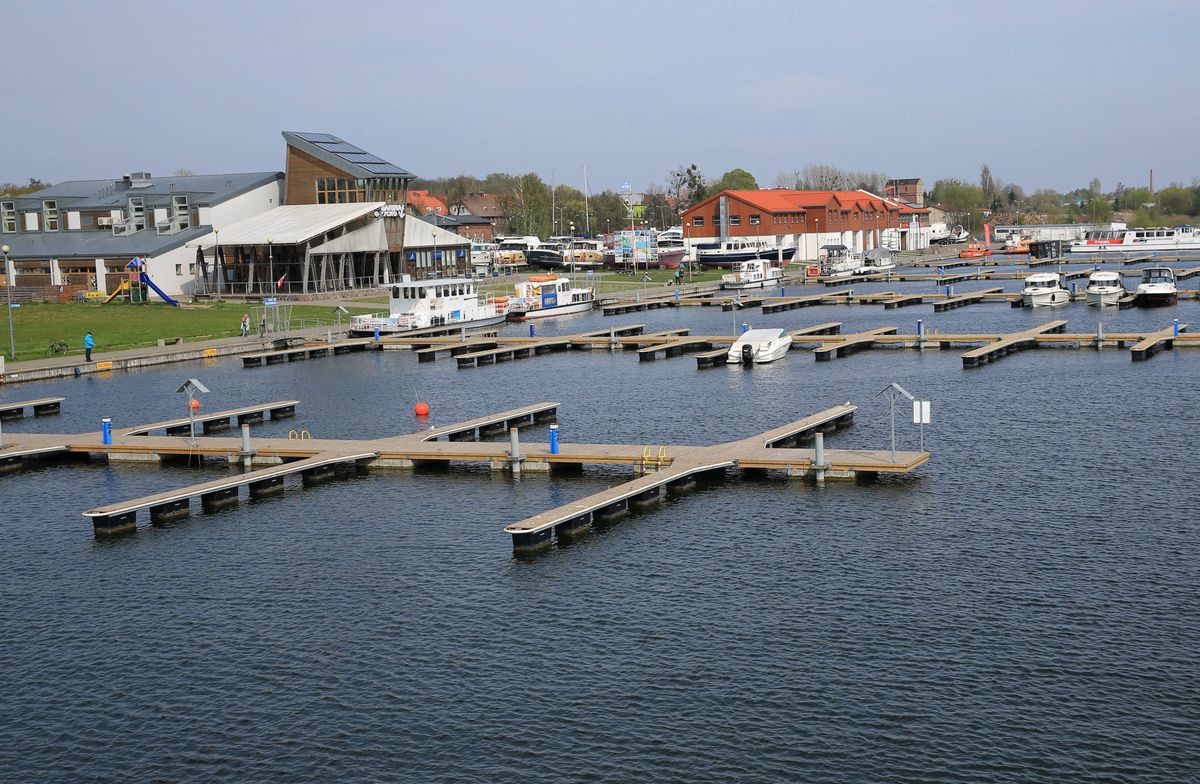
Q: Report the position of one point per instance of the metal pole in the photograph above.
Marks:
(514, 450)
(892, 396)
(8, 285)
(271, 265)
(192, 417)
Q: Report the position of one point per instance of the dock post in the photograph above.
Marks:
(920, 333)
(554, 439)
(1176, 327)
(106, 431)
(819, 457)
(612, 339)
(1, 435)
(247, 452)
(514, 451)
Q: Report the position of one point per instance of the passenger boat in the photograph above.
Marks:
(754, 274)
(839, 260)
(513, 251)
(759, 346)
(430, 303)
(727, 252)
(1161, 239)
(483, 257)
(1157, 287)
(564, 253)
(543, 296)
(1104, 288)
(1042, 289)
(976, 250)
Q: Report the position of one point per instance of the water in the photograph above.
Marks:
(1025, 609)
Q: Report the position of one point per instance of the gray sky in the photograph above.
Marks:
(1049, 94)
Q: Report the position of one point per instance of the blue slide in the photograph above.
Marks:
(157, 290)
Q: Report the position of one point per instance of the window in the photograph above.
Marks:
(735, 220)
(50, 214)
(8, 216)
(339, 190)
(698, 220)
(755, 220)
(137, 213)
(180, 212)
(178, 270)
(192, 268)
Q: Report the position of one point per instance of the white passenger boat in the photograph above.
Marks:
(447, 302)
(1157, 287)
(758, 346)
(1044, 288)
(1160, 239)
(483, 257)
(1105, 288)
(513, 251)
(755, 274)
(543, 296)
(726, 253)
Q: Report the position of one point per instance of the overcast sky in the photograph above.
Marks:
(1049, 94)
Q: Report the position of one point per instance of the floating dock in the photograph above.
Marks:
(43, 406)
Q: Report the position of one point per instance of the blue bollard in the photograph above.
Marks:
(1073, 285)
(530, 330)
(947, 291)
(377, 333)
(1176, 327)
(782, 291)
(106, 431)
(554, 439)
(676, 295)
(745, 327)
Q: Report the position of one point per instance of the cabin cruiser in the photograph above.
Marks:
(727, 252)
(838, 260)
(976, 250)
(1158, 239)
(512, 251)
(543, 296)
(1042, 289)
(483, 257)
(875, 261)
(755, 274)
(758, 346)
(417, 304)
(1016, 245)
(1105, 288)
(1157, 287)
(560, 253)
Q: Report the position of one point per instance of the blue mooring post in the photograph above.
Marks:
(1176, 327)
(676, 295)
(745, 327)
(947, 291)
(554, 439)
(1073, 285)
(782, 291)
(530, 330)
(106, 431)
(376, 333)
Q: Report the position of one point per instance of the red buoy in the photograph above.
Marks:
(194, 404)
(421, 409)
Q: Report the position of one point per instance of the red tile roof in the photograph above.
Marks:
(424, 202)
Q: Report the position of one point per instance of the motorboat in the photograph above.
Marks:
(1044, 288)
(543, 296)
(417, 304)
(839, 260)
(483, 257)
(755, 274)
(1157, 287)
(758, 346)
(976, 250)
(1158, 239)
(513, 251)
(727, 252)
(1016, 246)
(1104, 288)
(876, 261)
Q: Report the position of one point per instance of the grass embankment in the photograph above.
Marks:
(608, 282)
(121, 325)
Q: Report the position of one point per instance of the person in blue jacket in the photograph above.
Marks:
(89, 343)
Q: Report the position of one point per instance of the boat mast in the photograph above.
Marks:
(587, 215)
(552, 231)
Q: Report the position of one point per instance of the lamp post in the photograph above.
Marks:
(271, 264)
(217, 258)
(8, 284)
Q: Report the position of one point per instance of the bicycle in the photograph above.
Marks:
(57, 348)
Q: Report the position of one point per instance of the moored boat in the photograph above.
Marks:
(727, 252)
(1104, 288)
(1158, 239)
(839, 260)
(976, 250)
(755, 274)
(875, 261)
(430, 303)
(759, 346)
(1157, 287)
(1042, 289)
(543, 296)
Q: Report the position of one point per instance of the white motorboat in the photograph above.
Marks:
(417, 304)
(543, 296)
(752, 275)
(483, 257)
(726, 253)
(758, 346)
(1104, 288)
(1044, 288)
(876, 261)
(839, 260)
(1158, 239)
(513, 251)
(1157, 287)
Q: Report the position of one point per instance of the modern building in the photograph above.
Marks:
(81, 234)
(807, 220)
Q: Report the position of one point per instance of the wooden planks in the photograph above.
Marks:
(244, 414)
(42, 406)
(1155, 342)
(1007, 344)
(849, 344)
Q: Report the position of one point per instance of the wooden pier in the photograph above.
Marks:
(1007, 344)
(43, 406)
(218, 420)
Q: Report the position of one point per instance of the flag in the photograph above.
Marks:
(279, 283)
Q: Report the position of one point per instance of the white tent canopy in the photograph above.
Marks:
(288, 225)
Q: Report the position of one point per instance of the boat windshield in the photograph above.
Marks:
(1158, 276)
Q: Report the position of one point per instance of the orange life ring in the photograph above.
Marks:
(812, 271)
(542, 278)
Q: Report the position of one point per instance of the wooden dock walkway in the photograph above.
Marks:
(846, 345)
(1155, 342)
(689, 465)
(964, 299)
(218, 420)
(42, 406)
(1017, 341)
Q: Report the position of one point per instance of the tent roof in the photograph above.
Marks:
(288, 225)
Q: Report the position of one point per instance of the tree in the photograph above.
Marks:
(610, 211)
(735, 180)
(184, 172)
(822, 177)
(529, 205)
(1177, 200)
(1094, 186)
(685, 186)
(1132, 198)
(13, 189)
(987, 183)
(957, 196)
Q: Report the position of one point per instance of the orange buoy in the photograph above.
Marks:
(194, 405)
(421, 409)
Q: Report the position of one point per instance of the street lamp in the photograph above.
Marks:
(8, 284)
(271, 264)
(217, 258)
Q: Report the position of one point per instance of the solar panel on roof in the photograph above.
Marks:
(361, 157)
(383, 168)
(340, 147)
(318, 137)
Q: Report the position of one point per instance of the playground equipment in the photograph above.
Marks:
(139, 281)
(124, 287)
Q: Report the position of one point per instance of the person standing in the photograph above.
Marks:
(245, 325)
(89, 343)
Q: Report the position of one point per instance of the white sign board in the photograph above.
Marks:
(921, 412)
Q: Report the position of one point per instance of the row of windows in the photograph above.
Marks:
(790, 217)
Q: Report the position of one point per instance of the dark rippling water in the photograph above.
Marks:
(1023, 610)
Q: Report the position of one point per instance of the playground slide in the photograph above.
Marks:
(120, 290)
(158, 291)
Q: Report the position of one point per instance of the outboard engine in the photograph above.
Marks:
(747, 354)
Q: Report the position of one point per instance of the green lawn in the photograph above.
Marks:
(609, 282)
(121, 325)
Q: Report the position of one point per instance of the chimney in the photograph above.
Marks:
(1152, 185)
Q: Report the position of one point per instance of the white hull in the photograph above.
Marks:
(1041, 299)
(557, 310)
(762, 345)
(762, 357)
(387, 325)
(1105, 298)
